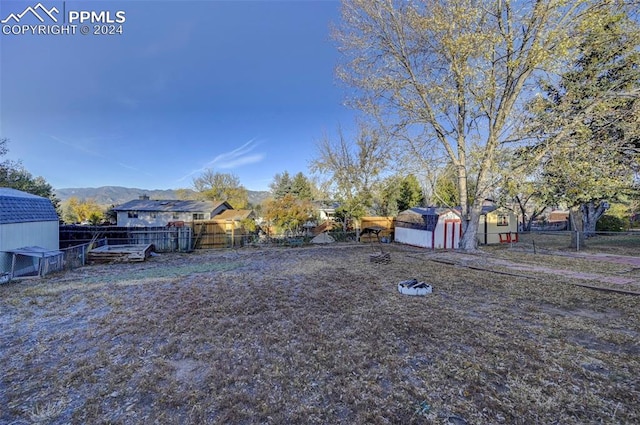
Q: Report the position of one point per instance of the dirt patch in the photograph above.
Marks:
(605, 271)
(315, 335)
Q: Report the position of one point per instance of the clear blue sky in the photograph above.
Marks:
(242, 87)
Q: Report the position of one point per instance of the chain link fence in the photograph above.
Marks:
(622, 243)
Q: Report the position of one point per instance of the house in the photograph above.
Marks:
(554, 220)
(325, 211)
(145, 212)
(431, 227)
(29, 231)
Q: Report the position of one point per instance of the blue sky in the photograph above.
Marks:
(242, 87)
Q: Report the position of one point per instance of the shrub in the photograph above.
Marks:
(611, 223)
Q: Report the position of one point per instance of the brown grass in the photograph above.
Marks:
(316, 335)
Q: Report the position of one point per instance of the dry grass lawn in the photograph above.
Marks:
(319, 335)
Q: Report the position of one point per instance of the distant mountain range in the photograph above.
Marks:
(116, 195)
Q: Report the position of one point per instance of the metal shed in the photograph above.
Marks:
(26, 220)
(435, 228)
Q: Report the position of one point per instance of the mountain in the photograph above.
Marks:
(116, 195)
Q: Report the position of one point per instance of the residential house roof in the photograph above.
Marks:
(166, 205)
(22, 207)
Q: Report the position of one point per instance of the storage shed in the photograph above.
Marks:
(497, 225)
(26, 220)
(433, 227)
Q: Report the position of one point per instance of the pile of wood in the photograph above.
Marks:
(380, 258)
(120, 253)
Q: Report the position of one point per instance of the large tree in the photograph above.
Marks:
(288, 213)
(222, 187)
(409, 193)
(78, 211)
(302, 187)
(453, 73)
(588, 122)
(281, 185)
(299, 186)
(352, 169)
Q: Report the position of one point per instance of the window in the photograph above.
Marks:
(154, 215)
(132, 214)
(198, 216)
(503, 220)
(176, 216)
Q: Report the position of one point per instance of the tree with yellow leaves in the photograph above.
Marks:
(82, 211)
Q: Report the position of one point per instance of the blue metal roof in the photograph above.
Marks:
(21, 207)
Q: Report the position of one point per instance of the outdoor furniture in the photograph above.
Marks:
(373, 230)
(508, 237)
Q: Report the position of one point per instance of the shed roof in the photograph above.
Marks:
(166, 205)
(426, 211)
(22, 207)
(441, 210)
(35, 251)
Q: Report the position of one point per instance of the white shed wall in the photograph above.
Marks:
(413, 237)
(448, 222)
(45, 234)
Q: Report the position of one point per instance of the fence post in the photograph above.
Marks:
(577, 240)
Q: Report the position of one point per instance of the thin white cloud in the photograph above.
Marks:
(223, 160)
(251, 159)
(232, 159)
(78, 147)
(130, 167)
(85, 150)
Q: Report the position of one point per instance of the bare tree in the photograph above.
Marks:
(455, 73)
(352, 169)
(221, 187)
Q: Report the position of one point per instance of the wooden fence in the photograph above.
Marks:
(217, 234)
(386, 223)
(205, 234)
(164, 239)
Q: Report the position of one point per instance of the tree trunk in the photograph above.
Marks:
(470, 224)
(577, 229)
(523, 214)
(591, 213)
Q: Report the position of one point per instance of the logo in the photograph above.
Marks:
(34, 11)
(43, 20)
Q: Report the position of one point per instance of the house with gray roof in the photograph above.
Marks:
(26, 220)
(145, 212)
